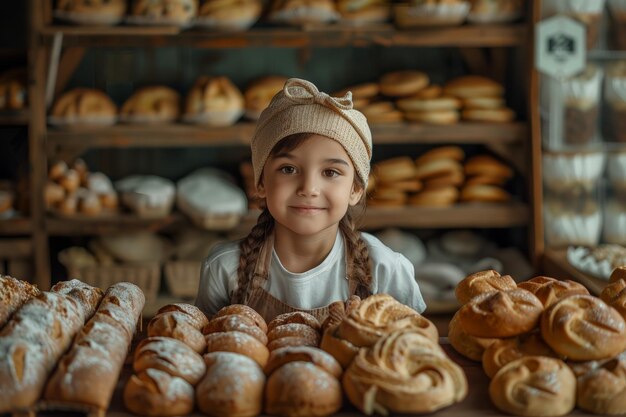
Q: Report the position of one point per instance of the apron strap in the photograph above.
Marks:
(261, 270)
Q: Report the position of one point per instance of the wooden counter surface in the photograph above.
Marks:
(477, 402)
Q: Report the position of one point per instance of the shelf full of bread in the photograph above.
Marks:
(287, 23)
(583, 152)
(513, 348)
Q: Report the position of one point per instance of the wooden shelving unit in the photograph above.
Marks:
(555, 264)
(15, 226)
(14, 118)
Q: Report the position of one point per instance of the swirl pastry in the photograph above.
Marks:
(550, 290)
(378, 315)
(404, 372)
(504, 351)
(603, 390)
(501, 314)
(583, 327)
(615, 296)
(480, 282)
(534, 386)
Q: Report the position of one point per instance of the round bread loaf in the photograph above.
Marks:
(360, 91)
(583, 327)
(501, 313)
(504, 351)
(415, 104)
(316, 356)
(302, 389)
(243, 310)
(235, 322)
(178, 326)
(238, 342)
(290, 341)
(473, 86)
(550, 290)
(455, 153)
(487, 165)
(603, 389)
(171, 356)
(452, 178)
(436, 167)
(199, 320)
(341, 349)
(534, 386)
(232, 386)
(484, 193)
(394, 169)
(294, 330)
(467, 345)
(402, 83)
(157, 393)
(390, 378)
(618, 273)
(614, 295)
(152, 104)
(260, 92)
(482, 282)
(435, 197)
(295, 317)
(435, 117)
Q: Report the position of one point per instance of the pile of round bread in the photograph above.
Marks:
(409, 95)
(547, 345)
(438, 178)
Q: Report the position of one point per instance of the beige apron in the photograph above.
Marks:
(269, 306)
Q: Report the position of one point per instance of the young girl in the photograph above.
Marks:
(311, 159)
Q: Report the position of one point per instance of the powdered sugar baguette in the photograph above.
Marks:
(30, 345)
(88, 297)
(88, 373)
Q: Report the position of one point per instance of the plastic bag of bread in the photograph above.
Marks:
(147, 195)
(361, 12)
(83, 106)
(91, 12)
(210, 199)
(214, 101)
(431, 13)
(163, 12)
(489, 11)
(13, 89)
(303, 12)
(154, 104)
(259, 94)
(228, 15)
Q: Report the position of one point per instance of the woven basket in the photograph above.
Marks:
(146, 276)
(183, 277)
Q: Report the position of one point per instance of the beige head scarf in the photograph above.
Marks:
(301, 108)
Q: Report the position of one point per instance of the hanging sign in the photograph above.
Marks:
(560, 47)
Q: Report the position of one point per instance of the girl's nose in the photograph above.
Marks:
(309, 186)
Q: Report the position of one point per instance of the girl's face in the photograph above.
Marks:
(309, 189)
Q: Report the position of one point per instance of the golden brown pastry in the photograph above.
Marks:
(238, 342)
(232, 386)
(260, 92)
(364, 11)
(484, 193)
(84, 103)
(583, 327)
(550, 290)
(389, 378)
(178, 326)
(235, 322)
(504, 351)
(290, 341)
(157, 393)
(294, 317)
(180, 11)
(231, 10)
(294, 330)
(487, 165)
(501, 313)
(214, 95)
(171, 356)
(614, 295)
(473, 86)
(199, 320)
(482, 282)
(469, 346)
(403, 83)
(394, 169)
(618, 273)
(534, 386)
(244, 311)
(316, 356)
(152, 104)
(300, 12)
(603, 390)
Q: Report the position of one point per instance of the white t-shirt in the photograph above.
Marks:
(392, 274)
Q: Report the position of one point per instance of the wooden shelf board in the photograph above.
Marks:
(15, 226)
(14, 118)
(287, 37)
(555, 264)
(176, 135)
(84, 225)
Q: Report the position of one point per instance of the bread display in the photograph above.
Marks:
(364, 12)
(229, 14)
(215, 101)
(232, 386)
(13, 294)
(147, 195)
(419, 13)
(91, 12)
(13, 90)
(534, 386)
(163, 12)
(156, 393)
(389, 378)
(303, 12)
(155, 104)
(83, 106)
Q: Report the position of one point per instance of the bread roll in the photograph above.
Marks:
(178, 326)
(341, 349)
(317, 357)
(500, 314)
(153, 104)
(294, 330)
(602, 390)
(244, 311)
(482, 282)
(282, 342)
(444, 196)
(473, 86)
(583, 327)
(238, 342)
(13, 294)
(454, 153)
(503, 351)
(467, 345)
(294, 317)
(232, 386)
(378, 379)
(302, 389)
(534, 386)
(402, 83)
(484, 193)
(88, 297)
(394, 169)
(618, 273)
(199, 320)
(235, 322)
(157, 393)
(171, 356)
(487, 165)
(614, 295)
(84, 103)
(550, 290)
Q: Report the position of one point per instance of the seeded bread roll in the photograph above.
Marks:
(13, 294)
(88, 297)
